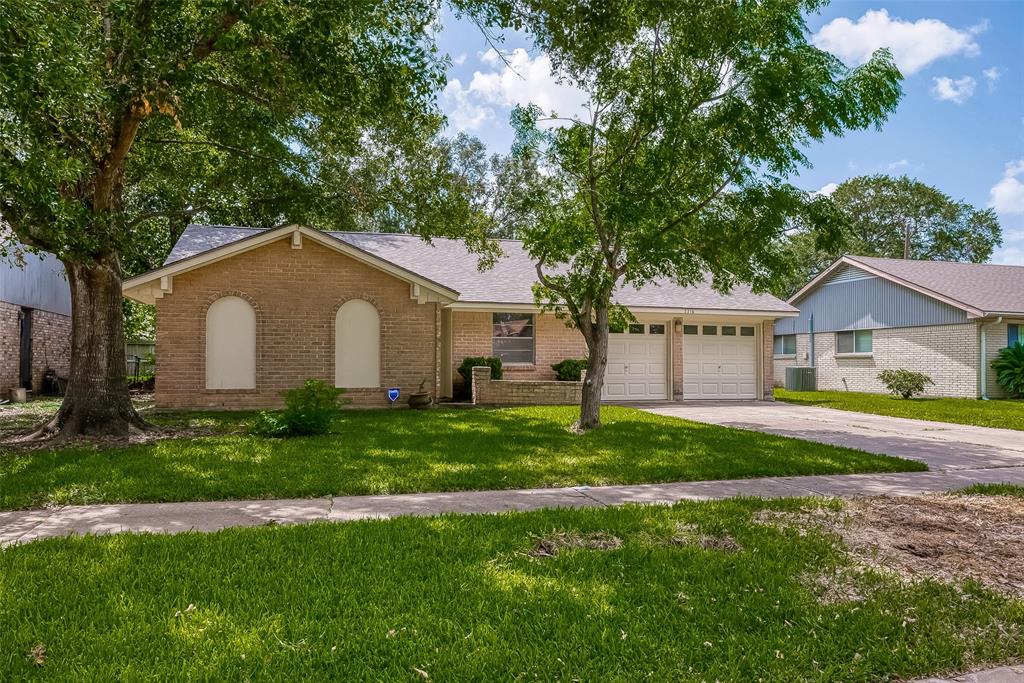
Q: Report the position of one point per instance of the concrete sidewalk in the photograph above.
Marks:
(28, 525)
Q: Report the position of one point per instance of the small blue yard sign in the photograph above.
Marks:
(393, 394)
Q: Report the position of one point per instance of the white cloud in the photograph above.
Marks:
(523, 80)
(460, 60)
(1007, 196)
(464, 112)
(992, 76)
(914, 44)
(959, 91)
(902, 163)
(826, 190)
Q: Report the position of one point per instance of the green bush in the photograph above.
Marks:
(570, 369)
(466, 370)
(905, 383)
(1009, 367)
(308, 410)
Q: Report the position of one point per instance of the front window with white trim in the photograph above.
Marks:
(512, 337)
(856, 341)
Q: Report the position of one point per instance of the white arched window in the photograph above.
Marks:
(231, 344)
(357, 345)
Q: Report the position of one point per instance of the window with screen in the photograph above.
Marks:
(512, 337)
(1013, 334)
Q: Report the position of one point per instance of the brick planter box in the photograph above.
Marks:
(506, 392)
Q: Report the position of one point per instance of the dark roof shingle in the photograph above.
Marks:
(510, 281)
(983, 286)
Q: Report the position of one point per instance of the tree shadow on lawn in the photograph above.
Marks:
(410, 451)
(461, 598)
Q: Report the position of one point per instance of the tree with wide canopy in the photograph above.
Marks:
(697, 114)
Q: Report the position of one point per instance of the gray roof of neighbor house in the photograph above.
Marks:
(448, 263)
(985, 287)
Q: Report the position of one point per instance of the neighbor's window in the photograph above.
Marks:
(656, 329)
(689, 329)
(728, 330)
(512, 337)
(709, 330)
(636, 328)
(746, 331)
(785, 345)
(858, 341)
(1013, 334)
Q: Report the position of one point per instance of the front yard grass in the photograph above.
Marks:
(697, 591)
(1001, 413)
(381, 451)
(1013, 490)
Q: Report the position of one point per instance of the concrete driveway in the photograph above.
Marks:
(942, 446)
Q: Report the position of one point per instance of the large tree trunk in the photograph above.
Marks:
(97, 400)
(597, 362)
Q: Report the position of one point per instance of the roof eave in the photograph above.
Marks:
(151, 285)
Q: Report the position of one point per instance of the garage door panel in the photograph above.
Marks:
(640, 366)
(719, 366)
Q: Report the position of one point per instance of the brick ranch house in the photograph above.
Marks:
(862, 315)
(35, 322)
(245, 314)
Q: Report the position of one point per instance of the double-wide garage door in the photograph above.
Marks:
(719, 361)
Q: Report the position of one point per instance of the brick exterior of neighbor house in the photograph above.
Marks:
(51, 346)
(296, 294)
(948, 354)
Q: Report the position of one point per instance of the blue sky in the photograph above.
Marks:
(959, 127)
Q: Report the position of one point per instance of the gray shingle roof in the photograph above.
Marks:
(987, 287)
(510, 281)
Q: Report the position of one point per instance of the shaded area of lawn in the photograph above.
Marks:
(1002, 413)
(463, 598)
(374, 452)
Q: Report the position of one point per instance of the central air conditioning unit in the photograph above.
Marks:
(801, 379)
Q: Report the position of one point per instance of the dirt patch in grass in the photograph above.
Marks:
(942, 537)
(724, 543)
(552, 544)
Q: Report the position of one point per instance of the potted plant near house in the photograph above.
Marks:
(420, 399)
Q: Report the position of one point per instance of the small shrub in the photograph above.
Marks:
(308, 410)
(570, 369)
(466, 370)
(1009, 367)
(905, 383)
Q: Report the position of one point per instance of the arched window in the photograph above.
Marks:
(231, 344)
(357, 345)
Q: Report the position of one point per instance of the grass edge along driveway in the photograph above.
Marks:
(998, 413)
(401, 451)
(695, 591)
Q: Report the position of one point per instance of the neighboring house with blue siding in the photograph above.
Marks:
(35, 321)
(862, 315)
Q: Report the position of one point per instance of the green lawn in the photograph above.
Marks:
(994, 490)
(1003, 413)
(463, 598)
(373, 452)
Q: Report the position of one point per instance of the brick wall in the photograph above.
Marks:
(51, 346)
(995, 341)
(503, 392)
(296, 294)
(10, 348)
(553, 342)
(946, 353)
(767, 365)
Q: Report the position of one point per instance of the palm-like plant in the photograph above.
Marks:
(1009, 367)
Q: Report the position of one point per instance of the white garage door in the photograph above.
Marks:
(637, 364)
(719, 361)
